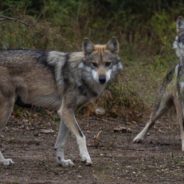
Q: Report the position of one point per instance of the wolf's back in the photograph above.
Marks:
(21, 57)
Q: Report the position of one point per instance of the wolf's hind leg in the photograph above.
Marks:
(59, 145)
(159, 110)
(6, 107)
(180, 117)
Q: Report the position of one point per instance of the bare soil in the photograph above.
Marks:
(29, 140)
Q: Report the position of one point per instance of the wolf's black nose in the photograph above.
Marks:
(102, 79)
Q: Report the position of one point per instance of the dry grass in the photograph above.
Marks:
(135, 89)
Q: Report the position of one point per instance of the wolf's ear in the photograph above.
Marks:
(113, 45)
(180, 24)
(87, 46)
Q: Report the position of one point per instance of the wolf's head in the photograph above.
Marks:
(178, 44)
(101, 62)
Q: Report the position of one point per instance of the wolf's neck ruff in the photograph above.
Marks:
(69, 69)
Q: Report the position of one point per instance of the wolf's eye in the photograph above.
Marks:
(94, 65)
(107, 64)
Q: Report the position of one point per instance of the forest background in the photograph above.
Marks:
(145, 30)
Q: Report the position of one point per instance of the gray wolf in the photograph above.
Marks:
(172, 89)
(59, 81)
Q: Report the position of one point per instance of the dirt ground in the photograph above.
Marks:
(29, 141)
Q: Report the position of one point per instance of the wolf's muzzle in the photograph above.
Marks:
(102, 79)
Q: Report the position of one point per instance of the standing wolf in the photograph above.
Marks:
(172, 89)
(60, 81)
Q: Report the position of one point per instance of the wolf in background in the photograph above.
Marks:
(172, 89)
(59, 81)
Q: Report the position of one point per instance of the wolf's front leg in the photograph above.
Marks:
(68, 116)
(59, 146)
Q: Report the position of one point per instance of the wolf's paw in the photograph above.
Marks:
(86, 159)
(65, 163)
(138, 139)
(7, 162)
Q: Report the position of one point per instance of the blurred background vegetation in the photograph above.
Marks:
(145, 30)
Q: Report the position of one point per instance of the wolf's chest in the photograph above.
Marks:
(85, 95)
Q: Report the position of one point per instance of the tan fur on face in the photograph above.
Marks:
(100, 48)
